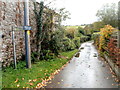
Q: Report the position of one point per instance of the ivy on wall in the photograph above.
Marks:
(40, 34)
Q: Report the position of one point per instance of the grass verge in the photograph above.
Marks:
(22, 77)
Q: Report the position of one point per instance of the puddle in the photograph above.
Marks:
(95, 55)
(77, 55)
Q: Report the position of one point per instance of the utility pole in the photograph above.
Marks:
(27, 34)
(118, 24)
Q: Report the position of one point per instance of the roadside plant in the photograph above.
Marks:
(105, 34)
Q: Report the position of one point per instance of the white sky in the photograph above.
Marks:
(82, 11)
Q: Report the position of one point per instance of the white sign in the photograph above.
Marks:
(22, 28)
(27, 28)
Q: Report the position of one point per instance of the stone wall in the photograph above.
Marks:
(11, 15)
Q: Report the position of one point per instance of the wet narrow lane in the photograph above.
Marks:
(86, 71)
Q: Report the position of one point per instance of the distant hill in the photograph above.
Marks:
(75, 26)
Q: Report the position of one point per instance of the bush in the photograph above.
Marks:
(81, 30)
(76, 41)
(72, 45)
(70, 33)
(34, 56)
(68, 44)
(83, 38)
(105, 34)
(89, 37)
(53, 42)
(47, 54)
(95, 37)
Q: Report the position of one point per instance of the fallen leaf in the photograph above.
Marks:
(18, 85)
(61, 80)
(49, 82)
(30, 80)
(117, 80)
(31, 84)
(113, 75)
(58, 82)
(66, 85)
(16, 80)
(23, 79)
(113, 84)
(34, 80)
(38, 84)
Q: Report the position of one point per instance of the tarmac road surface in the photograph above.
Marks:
(85, 71)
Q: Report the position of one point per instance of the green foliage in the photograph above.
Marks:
(34, 56)
(76, 35)
(98, 25)
(68, 44)
(84, 38)
(76, 41)
(88, 29)
(72, 45)
(53, 42)
(81, 31)
(64, 15)
(40, 34)
(95, 37)
(47, 54)
(70, 33)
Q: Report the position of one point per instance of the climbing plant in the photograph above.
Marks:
(40, 33)
(50, 32)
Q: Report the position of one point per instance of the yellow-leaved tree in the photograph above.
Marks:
(105, 34)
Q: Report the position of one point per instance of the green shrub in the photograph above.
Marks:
(81, 30)
(76, 41)
(72, 45)
(47, 54)
(70, 33)
(53, 42)
(34, 56)
(95, 37)
(84, 38)
(68, 44)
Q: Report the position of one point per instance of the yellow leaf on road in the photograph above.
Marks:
(58, 82)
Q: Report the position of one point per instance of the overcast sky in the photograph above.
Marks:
(82, 11)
